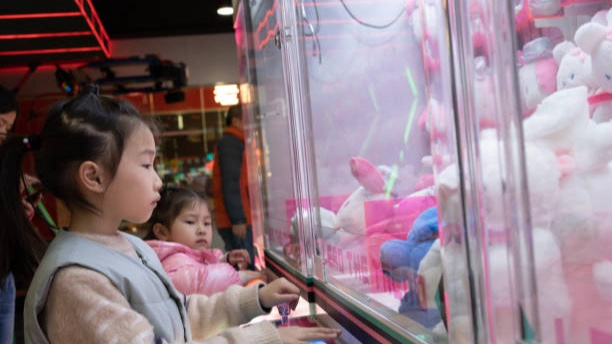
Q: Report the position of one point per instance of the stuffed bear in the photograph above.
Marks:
(596, 40)
(400, 261)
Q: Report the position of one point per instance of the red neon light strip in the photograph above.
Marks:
(48, 51)
(103, 32)
(260, 27)
(40, 15)
(269, 35)
(89, 21)
(46, 35)
(49, 66)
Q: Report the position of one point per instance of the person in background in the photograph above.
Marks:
(230, 187)
(182, 223)
(96, 284)
(20, 251)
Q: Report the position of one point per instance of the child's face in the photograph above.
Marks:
(193, 227)
(134, 191)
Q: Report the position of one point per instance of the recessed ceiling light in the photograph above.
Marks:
(225, 11)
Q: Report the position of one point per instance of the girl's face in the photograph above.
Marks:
(193, 227)
(134, 192)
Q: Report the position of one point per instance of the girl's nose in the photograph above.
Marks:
(201, 229)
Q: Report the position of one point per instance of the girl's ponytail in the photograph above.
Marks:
(21, 246)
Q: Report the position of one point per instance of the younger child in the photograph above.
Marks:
(96, 284)
(183, 224)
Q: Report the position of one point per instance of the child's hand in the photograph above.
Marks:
(279, 291)
(238, 258)
(300, 335)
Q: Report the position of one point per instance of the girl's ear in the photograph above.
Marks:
(161, 232)
(92, 176)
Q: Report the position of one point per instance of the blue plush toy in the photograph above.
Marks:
(400, 261)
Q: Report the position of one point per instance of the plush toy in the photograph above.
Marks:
(544, 8)
(596, 40)
(574, 66)
(543, 180)
(400, 261)
(559, 121)
(537, 72)
(426, 28)
(291, 248)
(582, 219)
(376, 183)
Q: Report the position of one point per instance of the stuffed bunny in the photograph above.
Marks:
(596, 40)
(376, 183)
(574, 66)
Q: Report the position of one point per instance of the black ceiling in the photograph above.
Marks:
(34, 32)
(151, 18)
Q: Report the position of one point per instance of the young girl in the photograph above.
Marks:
(96, 284)
(183, 224)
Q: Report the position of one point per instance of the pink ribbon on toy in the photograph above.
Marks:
(599, 98)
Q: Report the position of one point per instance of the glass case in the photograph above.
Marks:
(435, 171)
(350, 118)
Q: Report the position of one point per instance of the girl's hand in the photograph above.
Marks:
(279, 291)
(300, 335)
(238, 258)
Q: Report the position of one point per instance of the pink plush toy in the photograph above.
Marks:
(537, 73)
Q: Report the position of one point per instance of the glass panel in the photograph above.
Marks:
(267, 132)
(374, 122)
(564, 76)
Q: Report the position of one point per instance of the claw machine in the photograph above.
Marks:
(533, 121)
(388, 172)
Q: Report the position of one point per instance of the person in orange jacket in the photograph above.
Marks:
(230, 187)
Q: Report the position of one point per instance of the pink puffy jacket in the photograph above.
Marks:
(195, 272)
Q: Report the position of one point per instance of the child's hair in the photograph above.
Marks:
(89, 127)
(173, 200)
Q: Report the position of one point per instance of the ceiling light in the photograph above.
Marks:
(225, 8)
(226, 95)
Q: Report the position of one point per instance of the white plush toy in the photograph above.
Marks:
(543, 178)
(376, 183)
(596, 40)
(559, 121)
(574, 66)
(543, 8)
(582, 221)
(537, 72)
